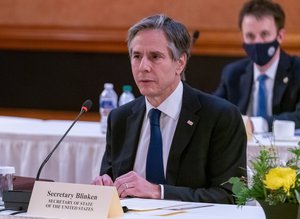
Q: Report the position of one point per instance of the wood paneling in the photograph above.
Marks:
(48, 114)
(211, 42)
(64, 39)
(101, 25)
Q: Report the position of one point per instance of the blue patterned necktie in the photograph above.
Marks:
(262, 96)
(154, 165)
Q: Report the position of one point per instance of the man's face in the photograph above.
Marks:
(261, 30)
(155, 72)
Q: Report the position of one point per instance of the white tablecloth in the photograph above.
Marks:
(25, 143)
(216, 211)
(211, 211)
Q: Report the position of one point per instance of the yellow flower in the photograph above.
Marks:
(281, 177)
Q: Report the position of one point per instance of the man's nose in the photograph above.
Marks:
(259, 39)
(145, 64)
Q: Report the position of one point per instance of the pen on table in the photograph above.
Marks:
(186, 207)
(191, 207)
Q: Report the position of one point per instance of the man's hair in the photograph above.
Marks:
(178, 37)
(261, 8)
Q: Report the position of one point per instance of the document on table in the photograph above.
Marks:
(138, 204)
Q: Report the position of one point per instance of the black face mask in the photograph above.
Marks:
(261, 53)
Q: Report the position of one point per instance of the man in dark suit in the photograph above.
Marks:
(262, 26)
(203, 137)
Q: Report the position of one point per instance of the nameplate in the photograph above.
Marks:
(74, 201)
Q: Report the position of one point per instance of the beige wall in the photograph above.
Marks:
(100, 25)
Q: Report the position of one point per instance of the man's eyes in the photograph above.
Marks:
(149, 57)
(156, 56)
(264, 34)
(136, 56)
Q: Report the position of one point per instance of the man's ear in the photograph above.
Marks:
(181, 63)
(281, 35)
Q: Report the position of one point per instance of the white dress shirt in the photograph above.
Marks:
(259, 123)
(170, 110)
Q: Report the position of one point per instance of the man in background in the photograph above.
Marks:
(266, 85)
(174, 142)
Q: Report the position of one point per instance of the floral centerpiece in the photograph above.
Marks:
(273, 182)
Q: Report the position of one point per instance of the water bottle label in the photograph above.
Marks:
(107, 104)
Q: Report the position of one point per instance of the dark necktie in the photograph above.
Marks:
(154, 165)
(262, 96)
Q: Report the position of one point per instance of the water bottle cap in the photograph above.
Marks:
(127, 88)
(108, 85)
(7, 170)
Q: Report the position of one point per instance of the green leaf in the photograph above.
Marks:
(237, 185)
(297, 195)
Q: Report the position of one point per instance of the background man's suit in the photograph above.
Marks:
(237, 80)
(202, 156)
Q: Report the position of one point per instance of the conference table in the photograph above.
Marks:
(150, 208)
(25, 143)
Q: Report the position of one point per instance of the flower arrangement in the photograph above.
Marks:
(273, 181)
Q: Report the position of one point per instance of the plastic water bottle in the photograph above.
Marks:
(108, 100)
(126, 96)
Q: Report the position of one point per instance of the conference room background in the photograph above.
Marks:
(62, 81)
(55, 55)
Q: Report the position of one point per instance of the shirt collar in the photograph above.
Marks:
(171, 106)
(270, 72)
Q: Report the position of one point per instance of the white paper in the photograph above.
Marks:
(137, 204)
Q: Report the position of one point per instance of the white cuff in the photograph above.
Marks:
(162, 191)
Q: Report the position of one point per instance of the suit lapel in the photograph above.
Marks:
(282, 79)
(245, 88)
(186, 126)
(133, 127)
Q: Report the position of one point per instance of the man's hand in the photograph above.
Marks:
(103, 180)
(131, 184)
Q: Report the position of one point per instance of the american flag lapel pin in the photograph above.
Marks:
(190, 122)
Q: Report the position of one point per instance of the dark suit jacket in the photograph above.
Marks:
(236, 86)
(202, 156)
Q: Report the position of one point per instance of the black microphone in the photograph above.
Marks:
(195, 37)
(86, 106)
(19, 200)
